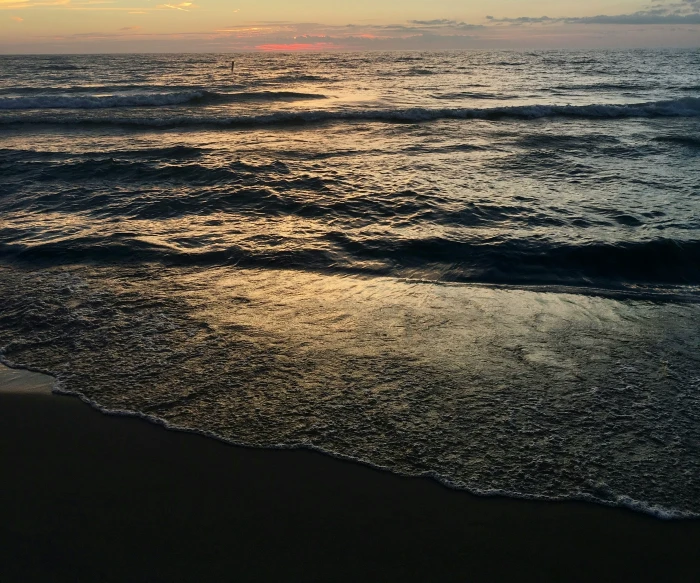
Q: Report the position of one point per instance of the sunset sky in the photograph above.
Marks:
(77, 26)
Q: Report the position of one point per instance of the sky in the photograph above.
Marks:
(106, 26)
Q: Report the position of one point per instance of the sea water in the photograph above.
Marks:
(477, 266)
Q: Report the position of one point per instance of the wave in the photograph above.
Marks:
(59, 67)
(687, 141)
(498, 261)
(296, 78)
(472, 95)
(94, 89)
(505, 261)
(686, 107)
(21, 160)
(263, 96)
(126, 170)
(602, 86)
(149, 99)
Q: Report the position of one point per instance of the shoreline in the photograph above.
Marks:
(27, 380)
(89, 496)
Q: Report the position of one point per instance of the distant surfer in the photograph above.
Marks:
(233, 63)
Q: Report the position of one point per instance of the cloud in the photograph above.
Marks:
(445, 23)
(183, 6)
(85, 5)
(523, 19)
(638, 18)
(296, 31)
(439, 21)
(22, 4)
(434, 34)
(295, 47)
(684, 12)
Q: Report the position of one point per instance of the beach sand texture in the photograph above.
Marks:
(90, 497)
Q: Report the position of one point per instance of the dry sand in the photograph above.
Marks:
(90, 497)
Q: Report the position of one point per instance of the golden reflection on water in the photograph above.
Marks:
(449, 327)
(540, 393)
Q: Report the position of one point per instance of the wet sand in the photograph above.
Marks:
(90, 497)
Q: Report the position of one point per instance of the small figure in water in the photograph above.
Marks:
(232, 64)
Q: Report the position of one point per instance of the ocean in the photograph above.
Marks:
(478, 266)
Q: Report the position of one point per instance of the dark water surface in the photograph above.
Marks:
(481, 266)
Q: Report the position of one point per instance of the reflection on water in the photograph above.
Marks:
(531, 393)
(480, 266)
(496, 205)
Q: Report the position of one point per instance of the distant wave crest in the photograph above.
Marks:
(148, 99)
(686, 107)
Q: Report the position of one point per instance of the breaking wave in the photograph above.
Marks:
(687, 107)
(195, 97)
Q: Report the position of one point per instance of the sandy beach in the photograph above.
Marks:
(90, 497)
